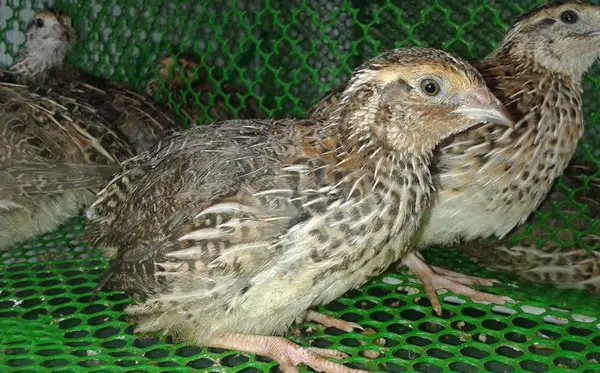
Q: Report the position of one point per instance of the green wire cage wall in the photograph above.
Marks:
(286, 54)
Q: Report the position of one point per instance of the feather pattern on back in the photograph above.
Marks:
(237, 213)
(64, 132)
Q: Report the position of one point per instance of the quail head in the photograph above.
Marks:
(491, 178)
(230, 233)
(190, 91)
(63, 138)
(49, 37)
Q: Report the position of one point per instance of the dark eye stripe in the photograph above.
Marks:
(547, 22)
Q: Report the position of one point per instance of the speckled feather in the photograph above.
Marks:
(52, 152)
(490, 178)
(244, 225)
(190, 90)
(563, 247)
(138, 118)
(63, 133)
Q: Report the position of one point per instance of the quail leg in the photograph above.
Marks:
(435, 278)
(332, 322)
(288, 354)
(462, 278)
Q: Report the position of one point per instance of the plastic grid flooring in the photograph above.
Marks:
(48, 324)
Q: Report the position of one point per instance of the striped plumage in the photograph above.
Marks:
(186, 87)
(229, 233)
(141, 121)
(490, 179)
(63, 132)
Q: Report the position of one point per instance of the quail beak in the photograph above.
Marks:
(594, 33)
(591, 34)
(480, 104)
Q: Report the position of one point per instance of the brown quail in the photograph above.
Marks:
(49, 37)
(190, 91)
(490, 178)
(135, 116)
(62, 137)
(230, 233)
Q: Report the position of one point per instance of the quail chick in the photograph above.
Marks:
(230, 232)
(490, 178)
(554, 251)
(191, 92)
(62, 140)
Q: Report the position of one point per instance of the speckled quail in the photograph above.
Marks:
(49, 37)
(136, 116)
(230, 232)
(190, 91)
(62, 137)
(490, 178)
(553, 247)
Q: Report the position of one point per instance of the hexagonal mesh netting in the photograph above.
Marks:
(286, 55)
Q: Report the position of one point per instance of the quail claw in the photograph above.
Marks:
(288, 354)
(332, 322)
(435, 278)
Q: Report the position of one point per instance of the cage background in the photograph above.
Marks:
(286, 55)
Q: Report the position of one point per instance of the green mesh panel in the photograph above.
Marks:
(286, 55)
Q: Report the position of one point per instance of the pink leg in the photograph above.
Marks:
(332, 322)
(464, 279)
(288, 354)
(434, 278)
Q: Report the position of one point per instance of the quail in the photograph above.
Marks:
(136, 116)
(490, 178)
(62, 136)
(229, 233)
(49, 37)
(189, 91)
(554, 247)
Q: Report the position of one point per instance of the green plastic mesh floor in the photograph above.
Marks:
(286, 55)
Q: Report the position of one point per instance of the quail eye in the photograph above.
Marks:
(39, 22)
(569, 16)
(430, 87)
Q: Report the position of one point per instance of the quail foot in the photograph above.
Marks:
(490, 178)
(227, 234)
(186, 87)
(62, 138)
